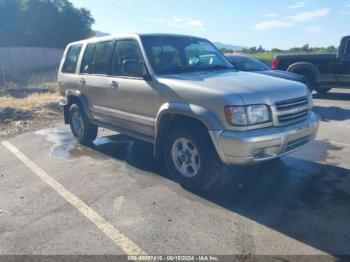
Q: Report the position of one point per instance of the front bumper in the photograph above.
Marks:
(63, 106)
(248, 147)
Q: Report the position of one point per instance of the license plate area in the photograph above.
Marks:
(298, 138)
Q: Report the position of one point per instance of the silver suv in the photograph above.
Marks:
(181, 94)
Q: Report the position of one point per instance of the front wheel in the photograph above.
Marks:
(83, 130)
(191, 158)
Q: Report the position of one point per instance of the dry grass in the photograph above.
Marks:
(31, 101)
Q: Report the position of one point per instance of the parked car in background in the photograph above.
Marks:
(321, 71)
(182, 95)
(247, 63)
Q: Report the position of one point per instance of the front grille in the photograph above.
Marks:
(291, 111)
(291, 117)
(297, 143)
(292, 103)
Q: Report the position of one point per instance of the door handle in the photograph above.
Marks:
(82, 81)
(113, 84)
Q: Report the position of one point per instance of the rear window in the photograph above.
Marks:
(347, 49)
(248, 64)
(70, 64)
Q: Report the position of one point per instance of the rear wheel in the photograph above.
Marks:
(312, 84)
(191, 159)
(310, 81)
(83, 130)
(323, 90)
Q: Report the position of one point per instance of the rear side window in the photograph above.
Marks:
(70, 64)
(87, 58)
(100, 58)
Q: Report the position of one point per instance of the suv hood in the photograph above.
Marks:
(252, 88)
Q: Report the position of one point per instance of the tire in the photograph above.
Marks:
(310, 81)
(83, 130)
(312, 84)
(323, 90)
(205, 167)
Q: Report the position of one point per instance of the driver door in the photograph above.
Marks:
(132, 101)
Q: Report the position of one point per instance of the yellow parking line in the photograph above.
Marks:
(123, 242)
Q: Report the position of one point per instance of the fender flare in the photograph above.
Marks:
(306, 66)
(195, 111)
(200, 113)
(71, 95)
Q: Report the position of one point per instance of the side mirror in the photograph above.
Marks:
(131, 67)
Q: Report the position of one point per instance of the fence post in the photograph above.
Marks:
(2, 71)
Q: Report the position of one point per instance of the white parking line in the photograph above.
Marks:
(331, 104)
(340, 144)
(123, 242)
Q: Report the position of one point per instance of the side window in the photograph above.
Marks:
(72, 57)
(100, 58)
(87, 59)
(126, 50)
(347, 48)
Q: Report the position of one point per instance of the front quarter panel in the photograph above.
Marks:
(196, 99)
(195, 111)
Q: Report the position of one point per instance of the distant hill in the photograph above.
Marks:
(228, 46)
(99, 33)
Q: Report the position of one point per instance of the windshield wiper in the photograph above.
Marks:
(217, 67)
(174, 70)
(177, 70)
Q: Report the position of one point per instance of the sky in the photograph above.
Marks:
(270, 23)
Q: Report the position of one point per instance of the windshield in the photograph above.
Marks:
(177, 54)
(245, 63)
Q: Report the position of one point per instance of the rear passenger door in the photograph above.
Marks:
(67, 78)
(131, 99)
(94, 71)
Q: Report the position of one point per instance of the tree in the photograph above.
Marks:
(226, 51)
(43, 23)
(306, 48)
(260, 49)
(11, 22)
(276, 50)
(252, 50)
(331, 49)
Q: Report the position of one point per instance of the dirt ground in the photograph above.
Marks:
(24, 109)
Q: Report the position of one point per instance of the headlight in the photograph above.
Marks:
(310, 98)
(247, 115)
